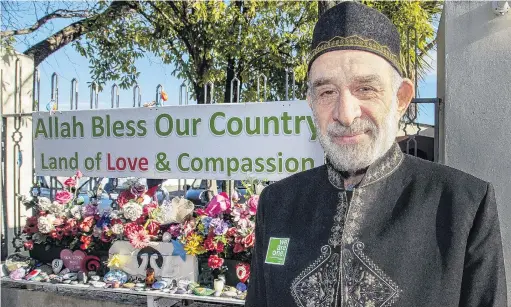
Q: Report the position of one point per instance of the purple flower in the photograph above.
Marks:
(175, 230)
(89, 210)
(221, 229)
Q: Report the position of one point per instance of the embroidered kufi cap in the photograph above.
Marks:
(355, 26)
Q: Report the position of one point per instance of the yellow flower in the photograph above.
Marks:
(193, 245)
(116, 260)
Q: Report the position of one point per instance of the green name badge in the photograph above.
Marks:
(277, 250)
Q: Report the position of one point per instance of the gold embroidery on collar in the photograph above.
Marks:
(357, 41)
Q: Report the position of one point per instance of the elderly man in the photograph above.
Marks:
(373, 226)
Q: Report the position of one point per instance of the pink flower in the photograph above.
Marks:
(252, 204)
(248, 241)
(149, 208)
(241, 216)
(78, 174)
(131, 228)
(86, 224)
(105, 238)
(217, 205)
(70, 182)
(140, 239)
(200, 212)
(215, 262)
(63, 197)
(238, 248)
(31, 225)
(71, 223)
(29, 245)
(124, 197)
(175, 230)
(58, 221)
(153, 228)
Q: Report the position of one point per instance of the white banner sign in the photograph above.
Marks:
(218, 141)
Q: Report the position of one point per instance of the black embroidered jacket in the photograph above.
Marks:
(414, 233)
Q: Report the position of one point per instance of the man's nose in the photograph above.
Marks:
(346, 109)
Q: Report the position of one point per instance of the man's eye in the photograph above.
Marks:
(327, 93)
(365, 89)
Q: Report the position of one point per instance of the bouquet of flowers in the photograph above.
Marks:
(66, 221)
(69, 223)
(224, 230)
(141, 219)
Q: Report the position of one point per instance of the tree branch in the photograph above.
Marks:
(40, 22)
(74, 31)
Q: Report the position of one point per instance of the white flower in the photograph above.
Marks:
(44, 203)
(117, 229)
(45, 223)
(146, 200)
(57, 209)
(114, 214)
(76, 212)
(132, 211)
(96, 232)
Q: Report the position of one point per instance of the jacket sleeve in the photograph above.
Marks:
(484, 280)
(256, 296)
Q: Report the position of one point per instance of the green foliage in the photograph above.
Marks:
(214, 41)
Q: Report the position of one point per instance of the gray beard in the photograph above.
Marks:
(354, 157)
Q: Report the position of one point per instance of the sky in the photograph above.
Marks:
(69, 64)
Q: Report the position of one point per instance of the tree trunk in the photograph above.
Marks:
(229, 77)
(74, 31)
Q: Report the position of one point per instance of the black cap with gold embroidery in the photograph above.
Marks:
(354, 26)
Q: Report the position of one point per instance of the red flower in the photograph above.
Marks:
(70, 182)
(215, 262)
(149, 208)
(232, 232)
(124, 197)
(238, 248)
(153, 228)
(248, 241)
(115, 222)
(105, 238)
(31, 225)
(209, 244)
(220, 247)
(29, 244)
(86, 241)
(86, 225)
(57, 233)
(141, 220)
(131, 228)
(200, 212)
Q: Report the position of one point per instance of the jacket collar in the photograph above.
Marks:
(380, 169)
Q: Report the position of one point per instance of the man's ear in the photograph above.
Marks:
(405, 95)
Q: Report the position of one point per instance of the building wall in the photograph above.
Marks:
(475, 63)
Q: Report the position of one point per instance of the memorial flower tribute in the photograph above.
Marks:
(66, 222)
(83, 235)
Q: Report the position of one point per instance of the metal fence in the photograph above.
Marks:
(410, 144)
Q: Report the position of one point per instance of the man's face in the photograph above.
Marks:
(357, 99)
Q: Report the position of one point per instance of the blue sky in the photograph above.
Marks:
(68, 64)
